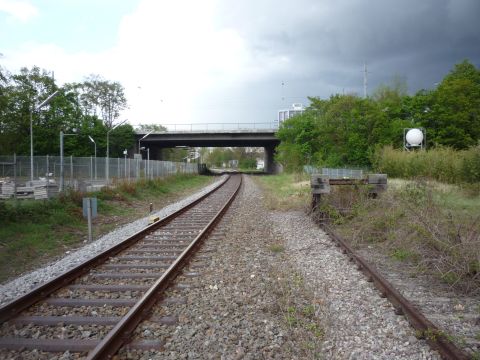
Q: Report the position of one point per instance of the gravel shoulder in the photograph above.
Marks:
(359, 323)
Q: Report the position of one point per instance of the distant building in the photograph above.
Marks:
(233, 164)
(260, 164)
(288, 113)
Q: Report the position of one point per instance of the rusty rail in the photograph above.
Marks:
(121, 332)
(436, 338)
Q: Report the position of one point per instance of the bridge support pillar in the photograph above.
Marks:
(271, 167)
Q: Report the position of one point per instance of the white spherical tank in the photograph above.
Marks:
(414, 137)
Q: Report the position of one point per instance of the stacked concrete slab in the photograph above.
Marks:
(7, 189)
(45, 191)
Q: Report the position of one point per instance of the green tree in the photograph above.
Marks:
(219, 156)
(73, 108)
(349, 127)
(151, 127)
(20, 95)
(101, 98)
(454, 116)
(299, 137)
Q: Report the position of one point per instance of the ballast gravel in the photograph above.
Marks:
(359, 323)
(240, 308)
(23, 284)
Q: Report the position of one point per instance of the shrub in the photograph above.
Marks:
(128, 187)
(470, 169)
(441, 164)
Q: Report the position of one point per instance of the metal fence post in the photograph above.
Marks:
(48, 175)
(15, 176)
(89, 219)
(62, 174)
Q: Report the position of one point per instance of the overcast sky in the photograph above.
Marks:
(200, 61)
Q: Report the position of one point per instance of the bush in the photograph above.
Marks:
(108, 193)
(32, 211)
(128, 187)
(470, 168)
(248, 163)
(441, 164)
(71, 196)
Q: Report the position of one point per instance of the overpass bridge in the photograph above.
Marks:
(212, 135)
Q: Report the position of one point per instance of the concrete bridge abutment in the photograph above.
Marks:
(271, 167)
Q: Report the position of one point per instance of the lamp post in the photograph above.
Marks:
(95, 157)
(142, 139)
(62, 174)
(125, 152)
(36, 108)
(148, 160)
(107, 160)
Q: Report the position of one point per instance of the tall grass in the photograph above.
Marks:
(285, 191)
(33, 231)
(441, 164)
(437, 232)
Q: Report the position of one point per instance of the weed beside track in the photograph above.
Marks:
(34, 232)
(431, 228)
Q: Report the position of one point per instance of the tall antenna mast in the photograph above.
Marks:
(365, 79)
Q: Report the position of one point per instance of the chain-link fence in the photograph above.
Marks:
(79, 173)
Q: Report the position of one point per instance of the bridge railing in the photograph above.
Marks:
(205, 127)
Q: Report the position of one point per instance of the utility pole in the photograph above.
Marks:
(365, 80)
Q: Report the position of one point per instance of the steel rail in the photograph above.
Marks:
(42, 291)
(120, 334)
(426, 329)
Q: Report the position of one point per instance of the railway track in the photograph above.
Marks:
(93, 309)
(427, 330)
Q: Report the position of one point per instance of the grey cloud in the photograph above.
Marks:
(327, 42)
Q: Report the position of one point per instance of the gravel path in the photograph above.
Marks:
(23, 284)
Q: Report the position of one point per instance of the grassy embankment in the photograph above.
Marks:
(285, 191)
(33, 232)
(429, 226)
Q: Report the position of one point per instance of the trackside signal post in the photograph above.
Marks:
(90, 212)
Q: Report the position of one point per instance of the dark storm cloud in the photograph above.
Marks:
(328, 41)
(321, 46)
